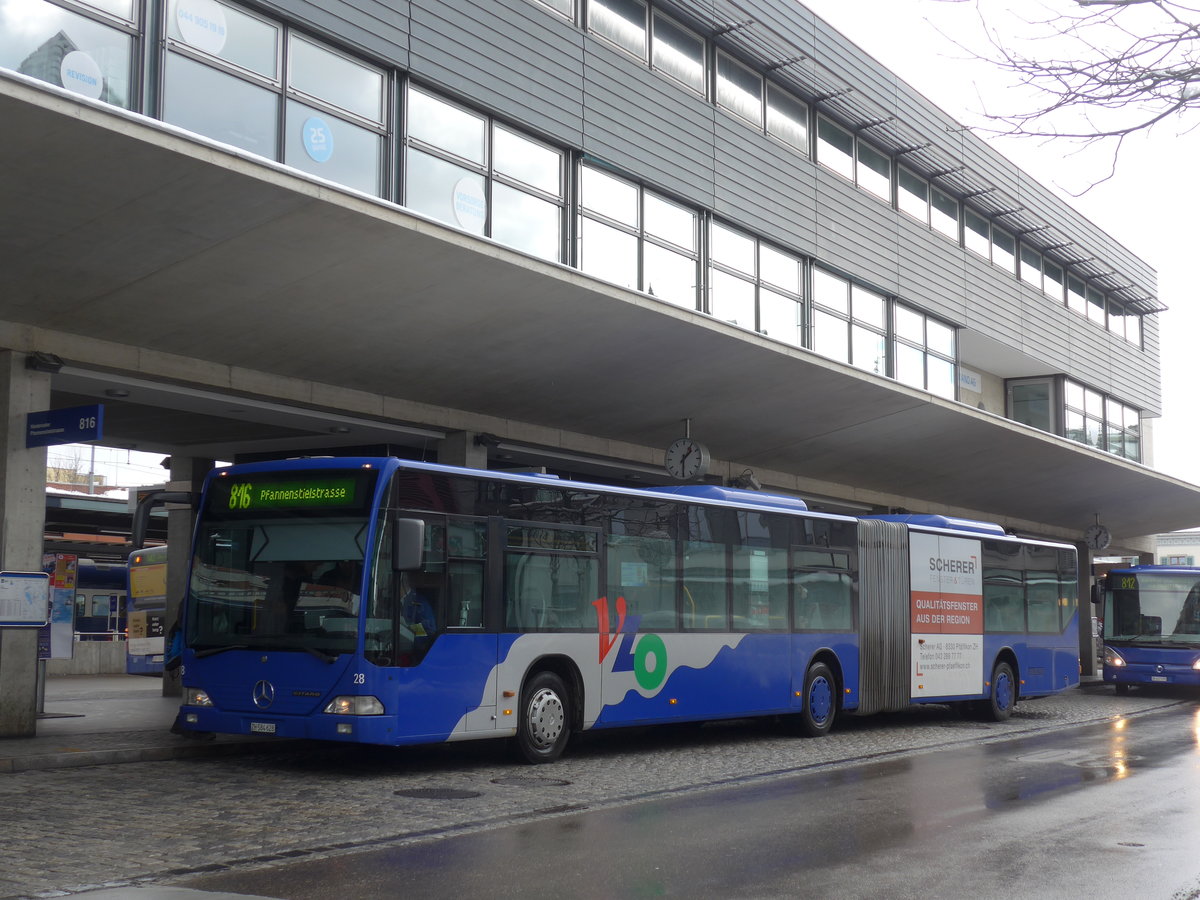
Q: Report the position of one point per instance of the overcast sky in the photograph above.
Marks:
(1144, 206)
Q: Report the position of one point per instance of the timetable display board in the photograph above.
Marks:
(24, 599)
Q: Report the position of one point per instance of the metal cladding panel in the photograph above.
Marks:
(856, 233)
(884, 635)
(515, 59)
(643, 123)
(380, 29)
(764, 185)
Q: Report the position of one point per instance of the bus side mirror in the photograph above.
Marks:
(408, 548)
(147, 504)
(1097, 595)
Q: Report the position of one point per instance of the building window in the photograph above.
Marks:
(1004, 250)
(231, 76)
(874, 171)
(755, 286)
(1084, 416)
(335, 119)
(912, 194)
(1076, 298)
(637, 239)
(835, 148)
(1087, 416)
(1032, 402)
(224, 84)
(677, 52)
(849, 323)
(482, 176)
(621, 21)
(1052, 280)
(73, 47)
(787, 118)
(562, 7)
(977, 233)
(924, 351)
(1031, 266)
(1095, 306)
(1177, 561)
(1122, 430)
(943, 213)
(739, 89)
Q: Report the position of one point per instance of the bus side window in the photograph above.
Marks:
(466, 568)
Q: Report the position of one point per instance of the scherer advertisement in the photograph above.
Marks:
(947, 615)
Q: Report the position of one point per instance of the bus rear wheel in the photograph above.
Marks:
(1003, 695)
(820, 701)
(544, 725)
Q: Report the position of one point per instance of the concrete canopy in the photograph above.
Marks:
(123, 229)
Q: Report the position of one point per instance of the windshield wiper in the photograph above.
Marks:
(320, 654)
(212, 651)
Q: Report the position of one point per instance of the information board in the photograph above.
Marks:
(24, 599)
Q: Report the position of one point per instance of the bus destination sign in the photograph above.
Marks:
(270, 494)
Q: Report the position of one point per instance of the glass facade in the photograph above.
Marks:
(1066, 407)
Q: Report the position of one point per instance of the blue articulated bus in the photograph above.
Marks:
(394, 602)
(1151, 626)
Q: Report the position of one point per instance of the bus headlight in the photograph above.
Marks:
(196, 697)
(1196, 665)
(1113, 658)
(353, 705)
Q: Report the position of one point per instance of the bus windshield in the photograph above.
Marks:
(279, 563)
(1158, 608)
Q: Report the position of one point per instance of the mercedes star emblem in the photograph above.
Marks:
(264, 694)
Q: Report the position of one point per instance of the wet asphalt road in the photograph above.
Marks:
(1096, 811)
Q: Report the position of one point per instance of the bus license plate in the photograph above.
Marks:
(1159, 678)
(262, 727)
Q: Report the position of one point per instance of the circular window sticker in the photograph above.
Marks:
(201, 24)
(80, 73)
(470, 205)
(318, 139)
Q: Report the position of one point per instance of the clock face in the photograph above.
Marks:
(686, 459)
(1097, 537)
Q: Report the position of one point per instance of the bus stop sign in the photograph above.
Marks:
(64, 426)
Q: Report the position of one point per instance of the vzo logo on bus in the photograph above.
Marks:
(636, 650)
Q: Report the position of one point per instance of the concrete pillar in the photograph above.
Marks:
(460, 449)
(187, 474)
(22, 533)
(1087, 609)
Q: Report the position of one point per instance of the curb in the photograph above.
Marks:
(192, 750)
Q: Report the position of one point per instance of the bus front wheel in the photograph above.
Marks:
(544, 726)
(1003, 696)
(820, 701)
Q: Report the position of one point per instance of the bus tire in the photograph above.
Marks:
(1003, 694)
(1121, 688)
(545, 717)
(820, 701)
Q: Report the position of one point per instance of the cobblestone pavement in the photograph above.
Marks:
(73, 829)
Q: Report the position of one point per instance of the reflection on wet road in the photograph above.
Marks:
(1099, 811)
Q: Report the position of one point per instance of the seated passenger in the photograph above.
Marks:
(416, 610)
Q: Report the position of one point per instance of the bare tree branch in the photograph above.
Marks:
(1100, 70)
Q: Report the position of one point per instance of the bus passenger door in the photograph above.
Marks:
(472, 617)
